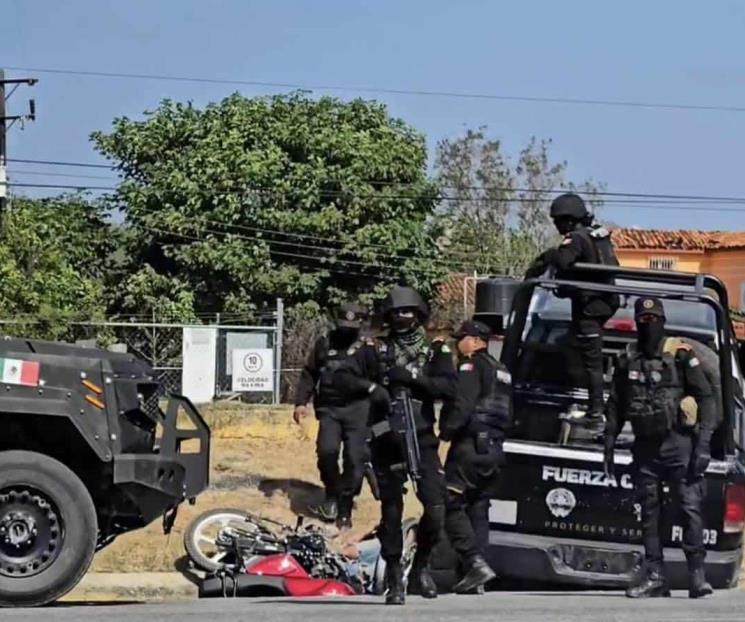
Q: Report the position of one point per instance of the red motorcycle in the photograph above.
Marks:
(248, 555)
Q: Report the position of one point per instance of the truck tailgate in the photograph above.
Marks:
(562, 492)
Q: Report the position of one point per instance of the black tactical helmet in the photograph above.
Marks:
(404, 298)
(569, 205)
(350, 315)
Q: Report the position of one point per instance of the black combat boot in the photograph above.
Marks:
(420, 578)
(698, 587)
(478, 573)
(654, 584)
(344, 515)
(394, 581)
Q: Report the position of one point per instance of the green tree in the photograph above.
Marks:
(232, 205)
(53, 264)
(495, 207)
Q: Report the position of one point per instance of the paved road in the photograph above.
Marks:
(498, 607)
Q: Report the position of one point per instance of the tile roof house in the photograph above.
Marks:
(719, 252)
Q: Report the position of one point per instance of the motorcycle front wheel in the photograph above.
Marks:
(202, 539)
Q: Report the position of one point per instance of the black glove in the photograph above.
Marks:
(379, 397)
(609, 464)
(400, 376)
(539, 266)
(699, 462)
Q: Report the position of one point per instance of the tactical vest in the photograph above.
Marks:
(335, 361)
(601, 241)
(492, 413)
(604, 255)
(655, 390)
(415, 364)
(387, 356)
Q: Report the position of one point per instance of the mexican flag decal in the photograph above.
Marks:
(15, 371)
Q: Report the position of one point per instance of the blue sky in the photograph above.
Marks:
(663, 51)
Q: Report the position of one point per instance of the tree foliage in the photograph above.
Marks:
(495, 207)
(240, 202)
(54, 263)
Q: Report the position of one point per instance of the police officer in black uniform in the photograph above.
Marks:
(583, 243)
(475, 425)
(408, 362)
(660, 387)
(335, 377)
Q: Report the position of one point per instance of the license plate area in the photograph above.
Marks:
(604, 561)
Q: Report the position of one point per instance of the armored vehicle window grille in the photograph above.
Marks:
(150, 406)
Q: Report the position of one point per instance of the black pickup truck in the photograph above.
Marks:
(557, 518)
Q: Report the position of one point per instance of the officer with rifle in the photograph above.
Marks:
(335, 377)
(404, 446)
(583, 242)
(661, 388)
(475, 425)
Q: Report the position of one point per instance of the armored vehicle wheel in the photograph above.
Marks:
(48, 529)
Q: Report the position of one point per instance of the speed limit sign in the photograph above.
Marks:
(253, 370)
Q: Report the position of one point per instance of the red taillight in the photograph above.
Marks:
(734, 508)
(621, 324)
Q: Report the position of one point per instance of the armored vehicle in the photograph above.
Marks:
(88, 451)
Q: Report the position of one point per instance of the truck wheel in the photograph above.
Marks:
(48, 529)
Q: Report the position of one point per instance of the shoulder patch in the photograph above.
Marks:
(693, 362)
(445, 348)
(466, 367)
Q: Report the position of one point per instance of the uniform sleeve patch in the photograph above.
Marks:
(694, 362)
(504, 376)
(466, 367)
(445, 348)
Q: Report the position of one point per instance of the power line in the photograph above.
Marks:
(598, 193)
(392, 91)
(320, 258)
(70, 175)
(333, 269)
(59, 186)
(59, 163)
(676, 202)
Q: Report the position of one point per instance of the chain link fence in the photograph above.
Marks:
(162, 346)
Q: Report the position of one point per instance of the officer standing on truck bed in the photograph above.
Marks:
(410, 367)
(583, 243)
(475, 425)
(660, 387)
(334, 376)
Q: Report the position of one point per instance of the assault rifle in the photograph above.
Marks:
(403, 424)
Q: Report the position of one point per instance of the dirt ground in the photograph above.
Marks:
(262, 462)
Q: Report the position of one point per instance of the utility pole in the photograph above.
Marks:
(5, 126)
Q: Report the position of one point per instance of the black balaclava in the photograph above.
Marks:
(565, 224)
(404, 321)
(344, 336)
(650, 336)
